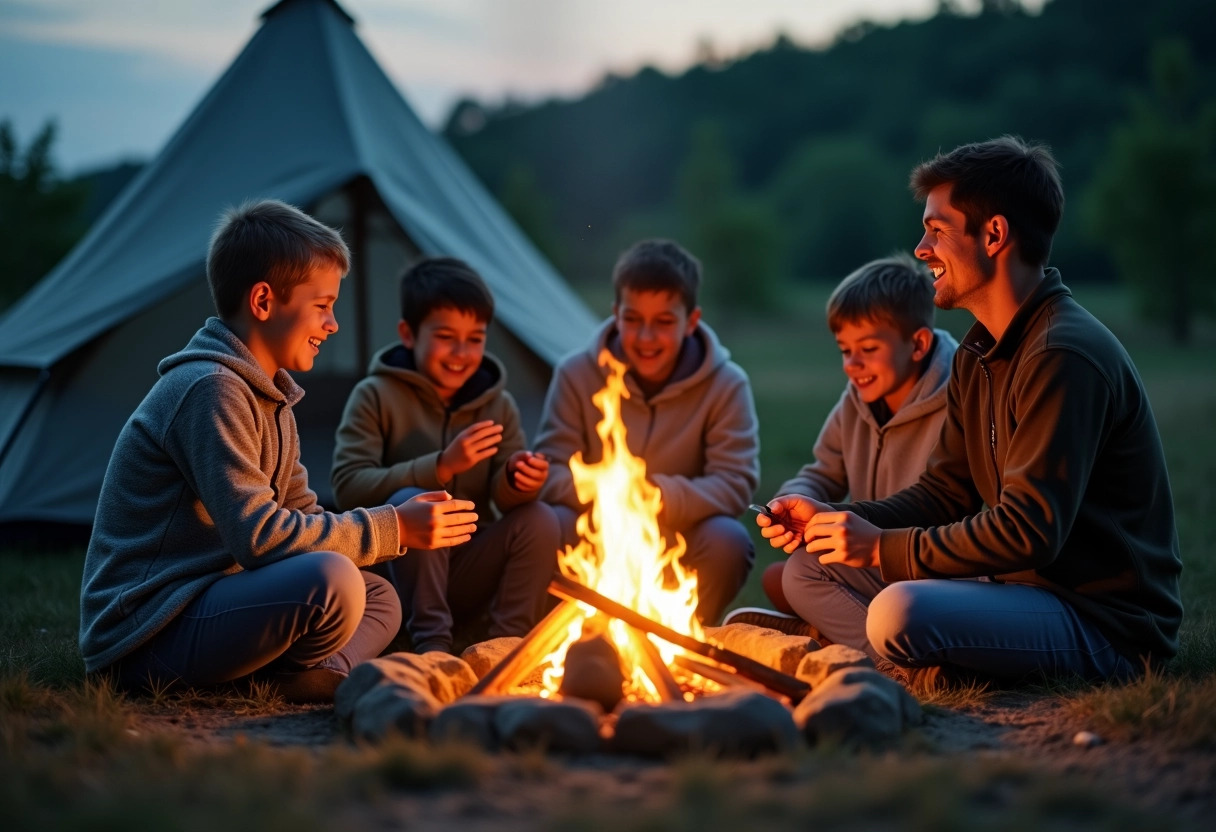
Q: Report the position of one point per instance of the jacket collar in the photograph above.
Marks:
(980, 341)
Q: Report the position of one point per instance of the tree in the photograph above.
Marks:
(40, 215)
(1153, 197)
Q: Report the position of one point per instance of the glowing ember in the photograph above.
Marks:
(621, 552)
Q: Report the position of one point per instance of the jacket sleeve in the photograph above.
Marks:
(1062, 407)
(826, 478)
(360, 477)
(561, 436)
(732, 463)
(506, 496)
(215, 440)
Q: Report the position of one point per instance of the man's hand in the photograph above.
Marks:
(527, 471)
(843, 537)
(433, 520)
(792, 513)
(476, 442)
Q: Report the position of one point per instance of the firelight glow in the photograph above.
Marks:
(621, 552)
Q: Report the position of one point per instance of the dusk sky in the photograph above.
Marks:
(119, 76)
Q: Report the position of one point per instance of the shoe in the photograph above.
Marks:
(791, 625)
(313, 686)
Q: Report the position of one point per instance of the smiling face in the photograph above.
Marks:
(289, 333)
(653, 326)
(961, 268)
(880, 361)
(448, 347)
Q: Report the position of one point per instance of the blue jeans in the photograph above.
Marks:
(1007, 631)
(314, 609)
(718, 549)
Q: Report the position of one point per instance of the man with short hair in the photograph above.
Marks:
(1041, 538)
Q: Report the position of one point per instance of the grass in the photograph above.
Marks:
(73, 755)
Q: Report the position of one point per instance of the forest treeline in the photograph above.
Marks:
(791, 163)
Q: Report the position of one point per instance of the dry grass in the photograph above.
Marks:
(1179, 708)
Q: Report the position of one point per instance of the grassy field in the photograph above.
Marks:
(72, 758)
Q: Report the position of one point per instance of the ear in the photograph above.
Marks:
(405, 334)
(261, 299)
(995, 235)
(922, 340)
(694, 318)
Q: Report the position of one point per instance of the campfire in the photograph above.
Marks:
(626, 625)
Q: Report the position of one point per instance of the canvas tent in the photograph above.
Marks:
(304, 114)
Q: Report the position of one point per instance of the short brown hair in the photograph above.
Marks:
(1006, 176)
(267, 240)
(896, 289)
(658, 266)
(443, 282)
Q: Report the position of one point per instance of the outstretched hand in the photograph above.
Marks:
(473, 444)
(433, 520)
(527, 471)
(790, 515)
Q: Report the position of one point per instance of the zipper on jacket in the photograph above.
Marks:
(996, 467)
(882, 435)
(278, 463)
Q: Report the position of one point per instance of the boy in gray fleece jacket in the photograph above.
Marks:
(689, 416)
(878, 437)
(210, 558)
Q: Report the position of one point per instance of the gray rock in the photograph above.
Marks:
(737, 724)
(850, 712)
(470, 719)
(571, 726)
(817, 666)
(392, 709)
(909, 708)
(770, 647)
(593, 672)
(481, 657)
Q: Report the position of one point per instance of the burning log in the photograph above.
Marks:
(665, 684)
(545, 637)
(794, 689)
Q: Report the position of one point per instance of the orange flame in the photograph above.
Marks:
(621, 552)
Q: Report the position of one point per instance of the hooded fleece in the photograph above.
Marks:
(395, 426)
(697, 435)
(205, 480)
(859, 459)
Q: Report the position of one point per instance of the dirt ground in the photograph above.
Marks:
(1177, 787)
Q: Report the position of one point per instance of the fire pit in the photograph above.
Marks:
(622, 661)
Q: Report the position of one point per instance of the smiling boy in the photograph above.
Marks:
(689, 416)
(210, 558)
(432, 413)
(878, 437)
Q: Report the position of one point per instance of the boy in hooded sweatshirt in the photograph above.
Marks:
(878, 437)
(210, 558)
(433, 413)
(689, 416)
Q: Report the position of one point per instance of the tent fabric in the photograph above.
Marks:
(301, 112)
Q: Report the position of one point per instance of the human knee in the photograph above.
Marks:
(896, 620)
(722, 541)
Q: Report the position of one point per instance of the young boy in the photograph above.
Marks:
(434, 413)
(689, 416)
(878, 437)
(210, 558)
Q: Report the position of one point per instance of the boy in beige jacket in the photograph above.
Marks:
(434, 413)
(689, 415)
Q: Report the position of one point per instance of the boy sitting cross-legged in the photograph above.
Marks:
(210, 558)
(433, 412)
(878, 437)
(689, 416)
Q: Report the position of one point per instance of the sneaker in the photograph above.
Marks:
(313, 686)
(791, 625)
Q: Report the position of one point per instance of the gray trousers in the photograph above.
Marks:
(507, 565)
(718, 549)
(314, 609)
(1009, 631)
